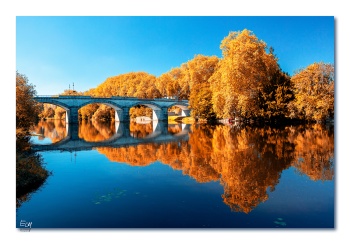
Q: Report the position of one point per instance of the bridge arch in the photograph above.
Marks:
(158, 112)
(59, 104)
(121, 113)
(185, 111)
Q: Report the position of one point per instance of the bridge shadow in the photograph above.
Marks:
(123, 135)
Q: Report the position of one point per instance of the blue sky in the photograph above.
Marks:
(55, 52)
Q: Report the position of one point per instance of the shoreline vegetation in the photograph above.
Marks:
(30, 171)
(246, 86)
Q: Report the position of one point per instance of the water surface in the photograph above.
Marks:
(112, 175)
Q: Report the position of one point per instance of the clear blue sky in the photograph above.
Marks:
(54, 52)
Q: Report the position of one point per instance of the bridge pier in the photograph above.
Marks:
(72, 116)
(122, 129)
(122, 115)
(185, 112)
(160, 114)
(160, 127)
(73, 131)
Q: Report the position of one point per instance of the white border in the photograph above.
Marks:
(11, 9)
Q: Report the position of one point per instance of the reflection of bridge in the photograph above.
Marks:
(121, 105)
(121, 138)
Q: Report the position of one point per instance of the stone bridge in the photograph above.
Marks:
(121, 105)
(121, 138)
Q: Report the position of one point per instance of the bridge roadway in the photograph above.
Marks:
(121, 138)
(121, 105)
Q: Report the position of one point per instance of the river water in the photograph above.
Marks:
(114, 175)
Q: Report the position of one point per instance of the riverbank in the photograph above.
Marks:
(180, 119)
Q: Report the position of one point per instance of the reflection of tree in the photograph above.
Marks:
(199, 163)
(96, 130)
(55, 130)
(249, 164)
(140, 130)
(248, 161)
(30, 174)
(191, 157)
(174, 129)
(140, 155)
(314, 152)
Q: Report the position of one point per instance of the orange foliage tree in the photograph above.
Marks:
(243, 71)
(314, 92)
(27, 109)
(133, 84)
(199, 70)
(174, 83)
(30, 173)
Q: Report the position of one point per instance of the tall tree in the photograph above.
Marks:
(174, 83)
(314, 92)
(30, 173)
(244, 69)
(199, 70)
(275, 96)
(27, 109)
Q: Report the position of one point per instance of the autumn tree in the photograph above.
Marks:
(87, 112)
(133, 84)
(50, 112)
(199, 70)
(275, 96)
(27, 108)
(174, 83)
(104, 113)
(242, 72)
(30, 173)
(140, 110)
(314, 92)
(60, 113)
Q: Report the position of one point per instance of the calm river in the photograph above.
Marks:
(114, 175)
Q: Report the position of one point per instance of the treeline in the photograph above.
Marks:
(246, 83)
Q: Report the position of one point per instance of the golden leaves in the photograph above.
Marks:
(242, 72)
(314, 92)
